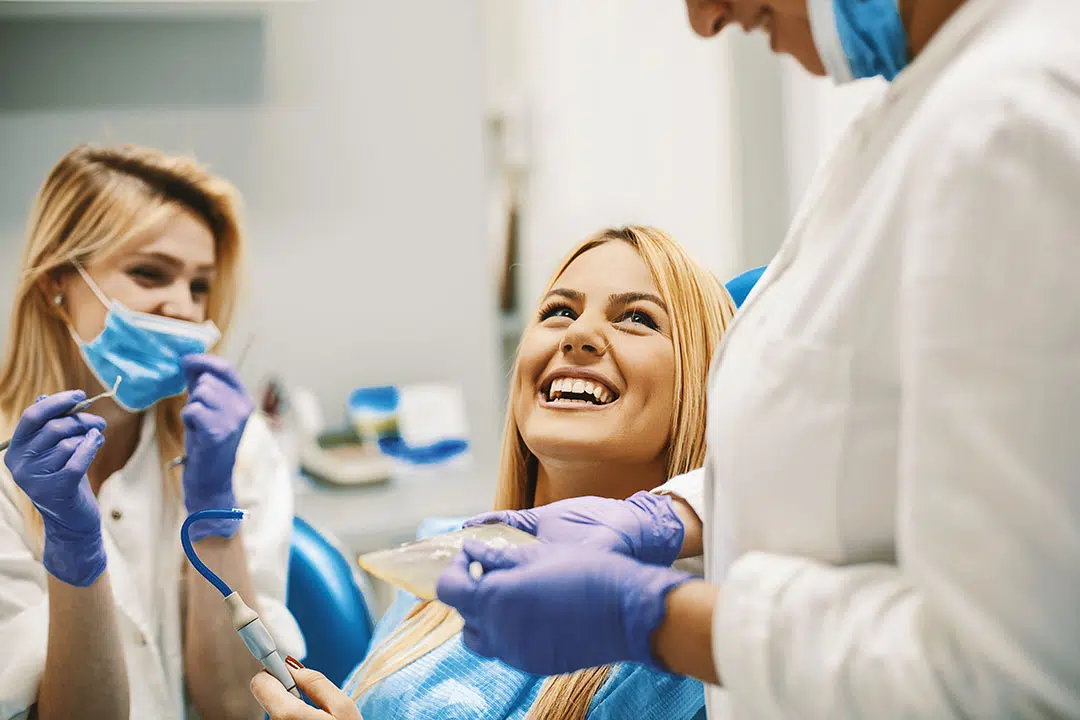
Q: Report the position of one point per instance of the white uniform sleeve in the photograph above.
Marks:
(981, 616)
(24, 609)
(689, 487)
(264, 487)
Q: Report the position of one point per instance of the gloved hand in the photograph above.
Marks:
(550, 609)
(48, 459)
(644, 527)
(214, 418)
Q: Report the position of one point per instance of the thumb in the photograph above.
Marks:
(492, 558)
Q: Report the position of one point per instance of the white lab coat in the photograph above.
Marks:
(892, 492)
(141, 522)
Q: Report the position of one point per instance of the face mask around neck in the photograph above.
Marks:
(859, 38)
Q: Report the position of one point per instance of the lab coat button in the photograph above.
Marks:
(116, 515)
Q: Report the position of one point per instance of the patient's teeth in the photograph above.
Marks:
(597, 392)
(588, 388)
(579, 386)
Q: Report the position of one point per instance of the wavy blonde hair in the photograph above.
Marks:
(93, 201)
(701, 310)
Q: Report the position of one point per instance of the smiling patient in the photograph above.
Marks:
(607, 399)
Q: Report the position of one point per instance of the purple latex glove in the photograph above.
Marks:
(48, 459)
(551, 609)
(644, 527)
(214, 418)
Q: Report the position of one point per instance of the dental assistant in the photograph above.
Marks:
(131, 266)
(890, 503)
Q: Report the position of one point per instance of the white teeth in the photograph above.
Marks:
(561, 386)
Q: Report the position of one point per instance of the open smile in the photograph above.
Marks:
(580, 389)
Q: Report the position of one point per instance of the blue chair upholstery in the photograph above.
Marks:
(741, 285)
(323, 596)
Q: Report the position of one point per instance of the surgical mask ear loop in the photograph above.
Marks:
(94, 289)
(245, 620)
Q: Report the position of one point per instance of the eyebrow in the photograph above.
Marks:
(630, 297)
(568, 294)
(174, 262)
(614, 299)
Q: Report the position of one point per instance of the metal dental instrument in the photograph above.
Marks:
(78, 408)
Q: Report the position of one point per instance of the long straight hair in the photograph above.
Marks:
(701, 311)
(93, 201)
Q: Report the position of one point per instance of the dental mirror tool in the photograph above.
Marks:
(78, 408)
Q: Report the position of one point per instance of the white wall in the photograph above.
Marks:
(354, 129)
(627, 123)
(627, 116)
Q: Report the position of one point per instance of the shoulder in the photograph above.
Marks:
(259, 459)
(258, 444)
(1014, 89)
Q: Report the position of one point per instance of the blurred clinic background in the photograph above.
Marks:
(412, 172)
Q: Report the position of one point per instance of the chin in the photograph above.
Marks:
(563, 441)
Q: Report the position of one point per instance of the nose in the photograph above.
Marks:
(584, 338)
(707, 16)
(180, 304)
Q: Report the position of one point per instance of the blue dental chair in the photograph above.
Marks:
(741, 285)
(323, 596)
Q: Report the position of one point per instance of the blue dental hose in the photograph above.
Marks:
(245, 620)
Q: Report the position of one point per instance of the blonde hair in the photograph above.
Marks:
(701, 310)
(93, 201)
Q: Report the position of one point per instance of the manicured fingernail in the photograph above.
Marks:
(293, 663)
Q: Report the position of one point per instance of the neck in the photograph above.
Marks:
(923, 18)
(122, 430)
(559, 480)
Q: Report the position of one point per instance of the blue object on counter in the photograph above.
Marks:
(374, 412)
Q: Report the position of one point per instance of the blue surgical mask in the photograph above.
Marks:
(859, 38)
(144, 350)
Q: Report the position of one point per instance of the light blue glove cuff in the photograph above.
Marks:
(644, 608)
(663, 531)
(75, 559)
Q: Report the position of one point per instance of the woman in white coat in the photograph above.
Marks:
(132, 263)
(891, 507)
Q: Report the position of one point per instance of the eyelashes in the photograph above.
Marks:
(637, 317)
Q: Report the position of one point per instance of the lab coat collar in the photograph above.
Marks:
(129, 483)
(949, 41)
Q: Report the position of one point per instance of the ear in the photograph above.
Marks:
(54, 288)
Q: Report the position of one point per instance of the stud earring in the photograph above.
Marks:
(59, 299)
